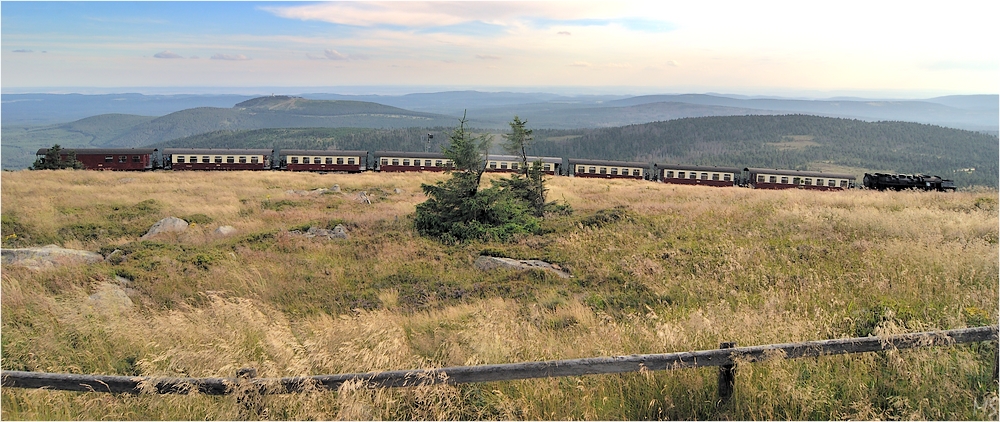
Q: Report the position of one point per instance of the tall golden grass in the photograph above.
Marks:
(679, 268)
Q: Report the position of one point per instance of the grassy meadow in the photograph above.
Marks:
(657, 268)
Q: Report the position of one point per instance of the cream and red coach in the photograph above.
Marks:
(609, 169)
(312, 160)
(699, 175)
(109, 158)
(217, 159)
(512, 163)
(411, 161)
(759, 178)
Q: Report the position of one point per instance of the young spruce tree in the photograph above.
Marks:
(458, 210)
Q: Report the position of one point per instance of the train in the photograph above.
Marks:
(208, 159)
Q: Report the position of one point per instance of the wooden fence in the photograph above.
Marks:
(726, 357)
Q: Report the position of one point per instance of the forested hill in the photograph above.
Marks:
(791, 142)
(795, 142)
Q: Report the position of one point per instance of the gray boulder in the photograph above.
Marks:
(338, 232)
(110, 297)
(49, 256)
(166, 225)
(225, 230)
(487, 263)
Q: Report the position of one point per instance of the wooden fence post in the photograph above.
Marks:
(249, 395)
(727, 376)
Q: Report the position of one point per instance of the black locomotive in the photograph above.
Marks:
(883, 181)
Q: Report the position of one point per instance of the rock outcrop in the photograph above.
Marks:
(225, 230)
(338, 232)
(166, 225)
(487, 263)
(49, 256)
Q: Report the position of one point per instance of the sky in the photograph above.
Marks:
(791, 48)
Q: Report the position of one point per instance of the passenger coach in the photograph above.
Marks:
(512, 163)
(311, 160)
(758, 178)
(699, 175)
(108, 158)
(217, 159)
(411, 161)
(609, 169)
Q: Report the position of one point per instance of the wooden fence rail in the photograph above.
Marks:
(726, 357)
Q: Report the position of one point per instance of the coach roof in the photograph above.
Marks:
(699, 168)
(99, 151)
(322, 153)
(800, 173)
(213, 151)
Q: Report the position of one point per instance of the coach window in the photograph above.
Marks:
(784, 180)
(503, 166)
(760, 178)
(692, 175)
(637, 172)
(395, 161)
(725, 177)
(350, 160)
(438, 163)
(230, 159)
(294, 160)
(253, 159)
(773, 179)
(681, 174)
(843, 183)
(329, 160)
(809, 181)
(819, 182)
(406, 161)
(604, 170)
(614, 171)
(592, 170)
(796, 181)
(243, 159)
(122, 158)
(205, 159)
(668, 174)
(180, 159)
(136, 159)
(514, 166)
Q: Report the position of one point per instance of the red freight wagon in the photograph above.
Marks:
(109, 158)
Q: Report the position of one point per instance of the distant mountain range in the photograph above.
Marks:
(31, 121)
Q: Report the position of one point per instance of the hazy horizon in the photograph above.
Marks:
(389, 90)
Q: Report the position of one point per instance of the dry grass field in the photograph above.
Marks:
(657, 268)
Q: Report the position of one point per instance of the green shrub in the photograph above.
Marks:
(197, 219)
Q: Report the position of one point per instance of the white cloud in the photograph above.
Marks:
(24, 51)
(334, 55)
(167, 54)
(487, 57)
(563, 33)
(580, 64)
(236, 57)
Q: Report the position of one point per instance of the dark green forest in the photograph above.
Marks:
(789, 142)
